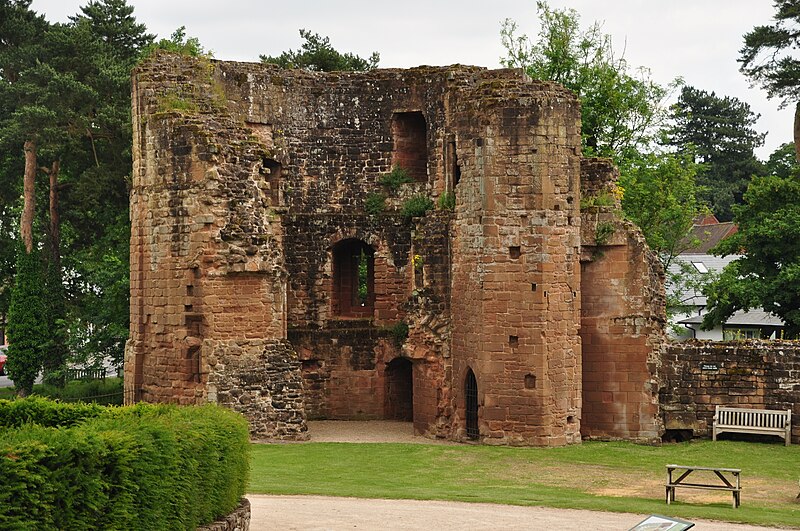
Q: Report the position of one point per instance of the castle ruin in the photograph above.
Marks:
(277, 268)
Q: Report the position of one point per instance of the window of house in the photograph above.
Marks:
(353, 279)
(736, 334)
(700, 266)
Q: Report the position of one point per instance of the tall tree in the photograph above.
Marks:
(24, 121)
(719, 132)
(66, 96)
(768, 274)
(96, 193)
(660, 196)
(621, 106)
(782, 162)
(317, 54)
(767, 60)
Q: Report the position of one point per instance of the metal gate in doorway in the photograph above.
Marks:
(471, 403)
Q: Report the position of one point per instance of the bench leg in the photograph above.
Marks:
(670, 495)
(736, 499)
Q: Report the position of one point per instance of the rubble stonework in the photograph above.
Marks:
(697, 376)
(273, 268)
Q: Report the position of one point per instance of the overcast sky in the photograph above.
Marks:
(697, 40)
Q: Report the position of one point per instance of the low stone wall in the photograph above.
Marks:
(696, 376)
(238, 520)
(261, 379)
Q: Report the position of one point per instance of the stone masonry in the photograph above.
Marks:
(274, 270)
(697, 376)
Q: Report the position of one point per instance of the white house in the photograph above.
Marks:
(755, 324)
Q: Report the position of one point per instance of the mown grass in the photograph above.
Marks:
(620, 477)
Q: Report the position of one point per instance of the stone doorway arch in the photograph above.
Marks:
(399, 377)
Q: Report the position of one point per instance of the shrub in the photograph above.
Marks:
(140, 467)
(375, 204)
(396, 178)
(603, 233)
(416, 206)
(106, 392)
(399, 333)
(447, 201)
(44, 412)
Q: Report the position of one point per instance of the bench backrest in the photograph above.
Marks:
(758, 418)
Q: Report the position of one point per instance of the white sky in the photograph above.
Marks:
(698, 40)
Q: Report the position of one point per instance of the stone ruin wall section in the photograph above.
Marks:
(697, 376)
(207, 273)
(623, 316)
(516, 244)
(247, 177)
(335, 135)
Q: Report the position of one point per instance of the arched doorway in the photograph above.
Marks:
(399, 390)
(471, 404)
(353, 279)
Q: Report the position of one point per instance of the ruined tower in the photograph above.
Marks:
(282, 266)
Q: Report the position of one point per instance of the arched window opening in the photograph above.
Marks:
(353, 279)
(471, 404)
(410, 152)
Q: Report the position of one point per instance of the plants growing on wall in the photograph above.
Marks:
(446, 201)
(395, 178)
(416, 206)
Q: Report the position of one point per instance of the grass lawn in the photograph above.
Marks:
(621, 477)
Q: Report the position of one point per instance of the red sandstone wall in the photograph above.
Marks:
(516, 277)
(206, 280)
(622, 319)
(240, 195)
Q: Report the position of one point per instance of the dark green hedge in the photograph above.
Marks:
(140, 467)
(38, 410)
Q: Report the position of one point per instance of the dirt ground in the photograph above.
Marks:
(314, 513)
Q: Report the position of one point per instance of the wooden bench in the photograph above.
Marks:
(731, 484)
(756, 421)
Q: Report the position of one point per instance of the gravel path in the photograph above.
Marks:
(317, 513)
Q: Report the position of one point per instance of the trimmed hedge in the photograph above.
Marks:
(107, 392)
(38, 410)
(140, 467)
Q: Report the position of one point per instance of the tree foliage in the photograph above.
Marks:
(661, 198)
(621, 106)
(179, 43)
(767, 58)
(27, 322)
(66, 88)
(768, 274)
(782, 162)
(317, 54)
(622, 112)
(719, 132)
